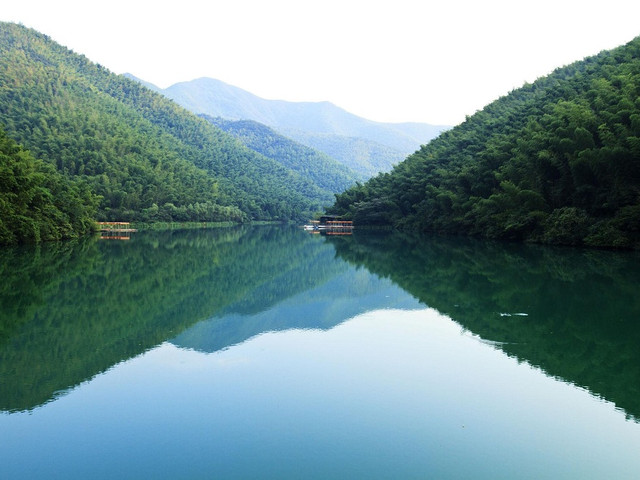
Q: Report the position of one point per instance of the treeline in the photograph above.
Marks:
(556, 161)
(143, 156)
(36, 202)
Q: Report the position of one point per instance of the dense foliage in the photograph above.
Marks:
(556, 161)
(146, 157)
(36, 202)
(322, 169)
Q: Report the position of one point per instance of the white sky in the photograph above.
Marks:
(390, 61)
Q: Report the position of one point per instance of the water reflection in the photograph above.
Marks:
(70, 311)
(573, 313)
(349, 292)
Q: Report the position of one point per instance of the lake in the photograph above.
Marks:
(267, 352)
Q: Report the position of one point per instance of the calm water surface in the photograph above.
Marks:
(269, 353)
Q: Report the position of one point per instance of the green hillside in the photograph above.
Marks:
(364, 156)
(143, 155)
(36, 202)
(319, 167)
(556, 161)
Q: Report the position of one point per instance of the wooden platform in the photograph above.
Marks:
(115, 230)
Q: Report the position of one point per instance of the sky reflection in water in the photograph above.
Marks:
(390, 393)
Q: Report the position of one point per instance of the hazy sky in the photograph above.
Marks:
(392, 61)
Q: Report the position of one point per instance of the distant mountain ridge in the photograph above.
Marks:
(320, 125)
(205, 95)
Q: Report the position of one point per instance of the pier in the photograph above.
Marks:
(115, 230)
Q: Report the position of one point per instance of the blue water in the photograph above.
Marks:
(349, 377)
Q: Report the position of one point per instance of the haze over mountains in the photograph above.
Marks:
(365, 146)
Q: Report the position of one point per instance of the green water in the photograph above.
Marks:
(269, 353)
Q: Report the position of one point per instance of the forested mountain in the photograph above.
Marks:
(361, 156)
(321, 125)
(325, 172)
(143, 155)
(556, 161)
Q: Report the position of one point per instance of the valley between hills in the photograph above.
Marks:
(556, 161)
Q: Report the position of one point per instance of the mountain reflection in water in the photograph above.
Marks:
(70, 311)
(573, 313)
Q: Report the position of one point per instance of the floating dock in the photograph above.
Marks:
(115, 230)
